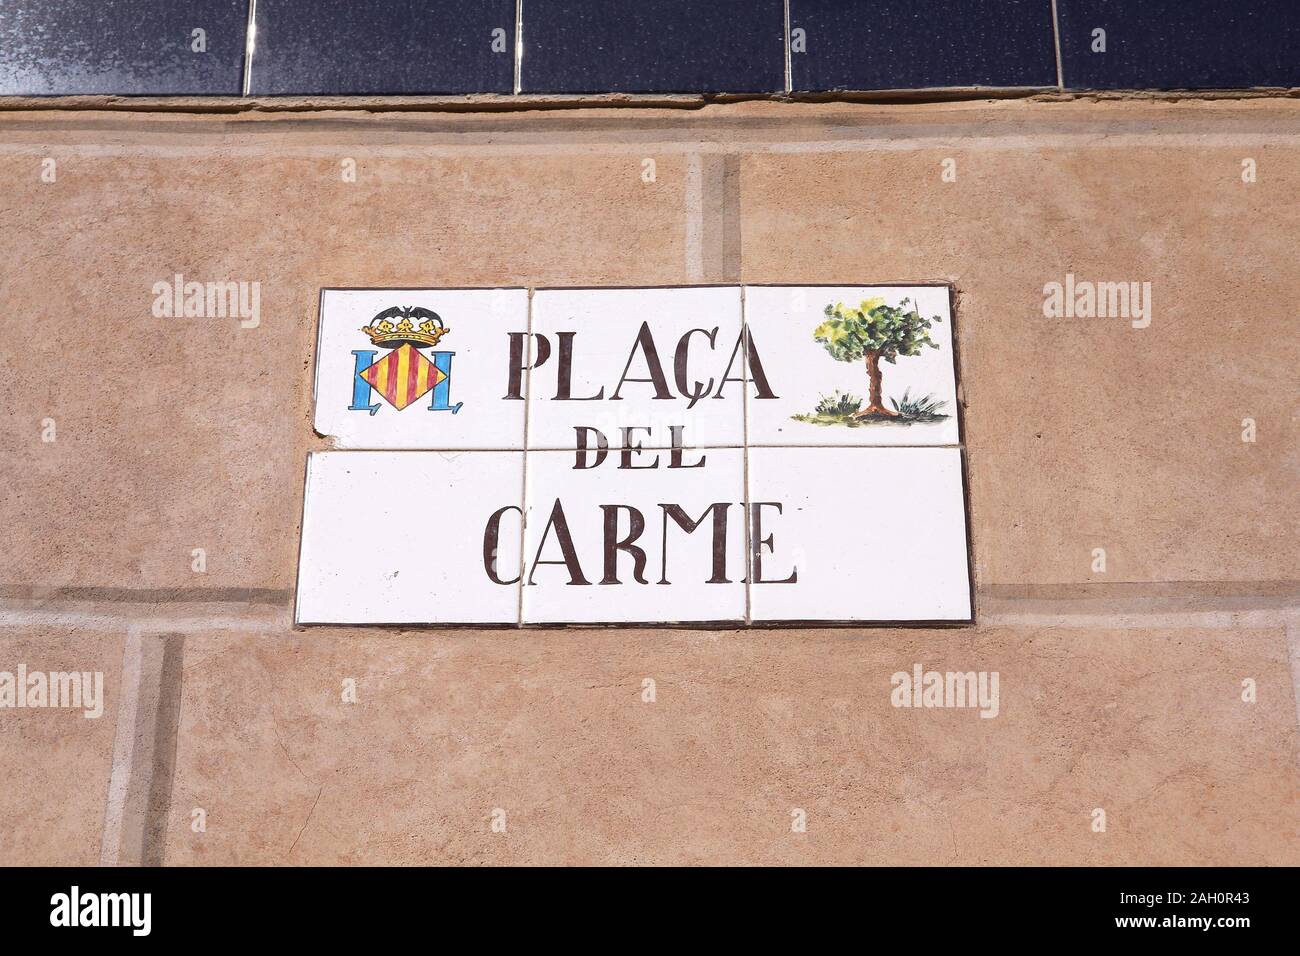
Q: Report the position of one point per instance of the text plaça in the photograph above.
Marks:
(644, 346)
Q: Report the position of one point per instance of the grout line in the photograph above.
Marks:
(154, 797)
(124, 742)
(789, 71)
(694, 208)
(110, 621)
(523, 492)
(250, 43)
(37, 594)
(1138, 620)
(274, 596)
(712, 225)
(730, 231)
(852, 447)
(142, 774)
(1277, 593)
(519, 46)
(1099, 139)
(1056, 45)
(1048, 617)
(744, 424)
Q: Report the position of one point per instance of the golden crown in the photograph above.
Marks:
(415, 326)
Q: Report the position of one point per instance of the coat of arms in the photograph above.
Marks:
(405, 374)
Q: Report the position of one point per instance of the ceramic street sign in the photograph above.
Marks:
(695, 454)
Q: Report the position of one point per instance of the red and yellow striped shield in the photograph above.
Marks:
(402, 376)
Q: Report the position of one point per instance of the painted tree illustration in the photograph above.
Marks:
(874, 331)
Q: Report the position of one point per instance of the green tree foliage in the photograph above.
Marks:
(850, 334)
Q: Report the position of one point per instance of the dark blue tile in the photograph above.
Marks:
(654, 46)
(127, 47)
(1180, 44)
(377, 47)
(918, 44)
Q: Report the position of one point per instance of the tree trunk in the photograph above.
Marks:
(875, 405)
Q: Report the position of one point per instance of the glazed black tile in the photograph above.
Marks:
(1179, 44)
(919, 44)
(653, 46)
(125, 47)
(379, 47)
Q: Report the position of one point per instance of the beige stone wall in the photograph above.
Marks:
(1119, 690)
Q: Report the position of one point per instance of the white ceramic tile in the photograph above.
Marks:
(800, 372)
(869, 534)
(562, 497)
(588, 340)
(401, 537)
(469, 409)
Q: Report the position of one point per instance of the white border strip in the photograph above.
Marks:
(250, 43)
(789, 65)
(1056, 45)
(519, 46)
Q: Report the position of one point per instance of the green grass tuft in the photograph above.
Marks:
(918, 409)
(840, 410)
(842, 404)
